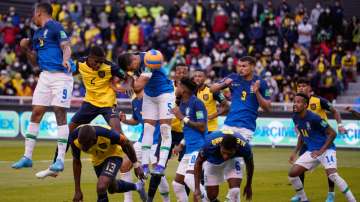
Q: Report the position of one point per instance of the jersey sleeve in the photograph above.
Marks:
(75, 151)
(60, 33)
(114, 137)
(219, 97)
(325, 104)
(200, 111)
(117, 71)
(319, 123)
(264, 90)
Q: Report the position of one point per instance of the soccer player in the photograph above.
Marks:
(136, 119)
(220, 154)
(193, 114)
(51, 52)
(248, 92)
(319, 106)
(210, 100)
(158, 101)
(98, 76)
(106, 148)
(319, 138)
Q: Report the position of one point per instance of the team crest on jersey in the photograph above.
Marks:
(206, 97)
(312, 106)
(101, 74)
(187, 111)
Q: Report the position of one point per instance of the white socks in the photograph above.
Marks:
(164, 189)
(190, 182)
(298, 186)
(30, 139)
(165, 130)
(128, 178)
(234, 194)
(147, 142)
(340, 182)
(180, 192)
(63, 134)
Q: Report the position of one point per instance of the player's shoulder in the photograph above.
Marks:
(311, 116)
(234, 76)
(54, 24)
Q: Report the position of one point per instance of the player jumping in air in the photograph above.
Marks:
(193, 114)
(158, 101)
(319, 138)
(218, 158)
(51, 52)
(106, 148)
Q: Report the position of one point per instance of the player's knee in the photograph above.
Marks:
(334, 176)
(101, 187)
(165, 130)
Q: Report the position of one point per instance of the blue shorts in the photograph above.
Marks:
(109, 167)
(88, 112)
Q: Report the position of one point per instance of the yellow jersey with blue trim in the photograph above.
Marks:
(107, 144)
(98, 83)
(319, 106)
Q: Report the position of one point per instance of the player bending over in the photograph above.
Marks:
(219, 156)
(193, 114)
(106, 148)
(319, 138)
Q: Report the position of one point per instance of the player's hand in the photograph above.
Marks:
(177, 149)
(228, 81)
(67, 65)
(255, 86)
(248, 192)
(177, 113)
(122, 116)
(78, 196)
(341, 129)
(25, 43)
(197, 195)
(315, 154)
(139, 173)
(292, 158)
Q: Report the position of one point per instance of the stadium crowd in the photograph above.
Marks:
(288, 42)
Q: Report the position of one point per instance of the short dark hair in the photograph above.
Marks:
(45, 7)
(251, 60)
(188, 83)
(305, 97)
(97, 51)
(229, 142)
(86, 134)
(182, 65)
(303, 80)
(201, 70)
(124, 61)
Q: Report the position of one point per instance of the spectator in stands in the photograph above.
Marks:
(273, 86)
(349, 64)
(134, 34)
(9, 32)
(220, 23)
(140, 10)
(305, 31)
(315, 14)
(321, 64)
(156, 9)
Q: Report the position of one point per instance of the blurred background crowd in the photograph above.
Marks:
(288, 42)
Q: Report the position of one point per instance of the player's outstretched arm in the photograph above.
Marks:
(216, 87)
(30, 54)
(66, 49)
(249, 162)
(197, 175)
(337, 117)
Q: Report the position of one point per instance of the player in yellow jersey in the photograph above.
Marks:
(210, 100)
(106, 148)
(97, 75)
(319, 106)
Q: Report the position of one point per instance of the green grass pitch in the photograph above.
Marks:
(270, 182)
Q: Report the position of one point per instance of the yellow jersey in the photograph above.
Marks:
(210, 101)
(97, 83)
(319, 106)
(176, 124)
(107, 145)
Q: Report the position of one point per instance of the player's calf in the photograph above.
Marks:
(343, 186)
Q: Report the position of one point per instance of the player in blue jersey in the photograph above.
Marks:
(51, 52)
(136, 119)
(158, 101)
(248, 92)
(107, 149)
(319, 137)
(220, 158)
(193, 114)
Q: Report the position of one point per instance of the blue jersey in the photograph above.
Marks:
(46, 42)
(312, 130)
(195, 110)
(211, 149)
(137, 115)
(158, 83)
(244, 104)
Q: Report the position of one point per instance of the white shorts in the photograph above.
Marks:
(246, 133)
(156, 108)
(187, 163)
(327, 159)
(53, 89)
(215, 174)
(138, 152)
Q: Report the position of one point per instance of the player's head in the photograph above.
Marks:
(228, 146)
(41, 11)
(129, 61)
(200, 77)
(301, 102)
(96, 57)
(186, 87)
(245, 66)
(181, 71)
(303, 86)
(87, 137)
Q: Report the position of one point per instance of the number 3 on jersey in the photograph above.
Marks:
(243, 95)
